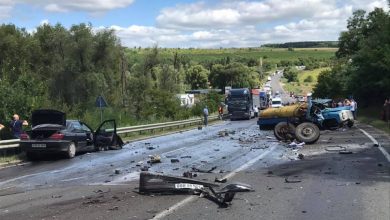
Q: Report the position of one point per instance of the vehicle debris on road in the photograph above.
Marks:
(204, 171)
(157, 183)
(155, 159)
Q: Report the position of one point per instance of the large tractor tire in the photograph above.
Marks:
(307, 132)
(284, 131)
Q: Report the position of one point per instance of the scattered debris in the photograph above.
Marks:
(379, 164)
(155, 183)
(114, 208)
(216, 149)
(188, 174)
(175, 161)
(155, 159)
(294, 144)
(269, 137)
(220, 180)
(357, 183)
(223, 158)
(56, 196)
(270, 172)
(287, 180)
(150, 148)
(345, 152)
(185, 157)
(177, 168)
(144, 168)
(301, 156)
(200, 127)
(117, 171)
(335, 148)
(203, 171)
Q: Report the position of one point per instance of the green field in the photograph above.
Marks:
(273, 55)
(301, 87)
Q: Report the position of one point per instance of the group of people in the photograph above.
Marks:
(16, 126)
(347, 102)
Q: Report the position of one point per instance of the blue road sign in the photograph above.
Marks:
(100, 102)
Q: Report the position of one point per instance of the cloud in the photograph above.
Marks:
(234, 13)
(84, 5)
(5, 8)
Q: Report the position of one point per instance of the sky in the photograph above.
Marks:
(194, 23)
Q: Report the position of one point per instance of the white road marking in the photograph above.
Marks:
(230, 175)
(384, 152)
(71, 179)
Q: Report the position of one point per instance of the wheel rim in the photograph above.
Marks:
(307, 132)
(72, 150)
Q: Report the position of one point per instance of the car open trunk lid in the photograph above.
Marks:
(48, 116)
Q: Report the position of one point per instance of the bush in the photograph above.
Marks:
(308, 79)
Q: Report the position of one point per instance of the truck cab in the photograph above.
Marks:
(240, 104)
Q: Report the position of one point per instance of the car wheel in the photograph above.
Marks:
(350, 123)
(307, 132)
(284, 131)
(71, 152)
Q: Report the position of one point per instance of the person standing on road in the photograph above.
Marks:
(16, 125)
(205, 115)
(353, 108)
(256, 111)
(220, 112)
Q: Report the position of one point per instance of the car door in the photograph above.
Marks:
(79, 135)
(105, 134)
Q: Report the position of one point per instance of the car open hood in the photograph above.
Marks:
(48, 116)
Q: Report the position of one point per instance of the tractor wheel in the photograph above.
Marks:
(284, 131)
(307, 132)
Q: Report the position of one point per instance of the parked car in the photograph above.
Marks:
(52, 133)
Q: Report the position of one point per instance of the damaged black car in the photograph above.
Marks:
(51, 133)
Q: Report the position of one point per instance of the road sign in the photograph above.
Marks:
(100, 102)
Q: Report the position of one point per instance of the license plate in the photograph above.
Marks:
(188, 186)
(38, 145)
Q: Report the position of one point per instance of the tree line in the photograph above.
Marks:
(67, 68)
(362, 65)
(304, 44)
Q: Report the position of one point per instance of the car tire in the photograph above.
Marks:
(331, 124)
(284, 131)
(350, 123)
(307, 132)
(71, 152)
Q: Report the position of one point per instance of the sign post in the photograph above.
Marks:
(101, 103)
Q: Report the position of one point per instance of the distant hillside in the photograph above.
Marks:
(304, 44)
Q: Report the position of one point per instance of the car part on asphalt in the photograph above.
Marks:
(203, 171)
(165, 184)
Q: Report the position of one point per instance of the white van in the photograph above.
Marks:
(276, 102)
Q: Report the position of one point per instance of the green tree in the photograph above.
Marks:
(197, 76)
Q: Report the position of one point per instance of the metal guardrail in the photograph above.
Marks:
(14, 143)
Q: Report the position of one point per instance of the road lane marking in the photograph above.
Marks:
(384, 152)
(230, 175)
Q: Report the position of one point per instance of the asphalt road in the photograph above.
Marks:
(323, 185)
(276, 86)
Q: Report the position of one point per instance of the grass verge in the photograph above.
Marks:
(371, 116)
